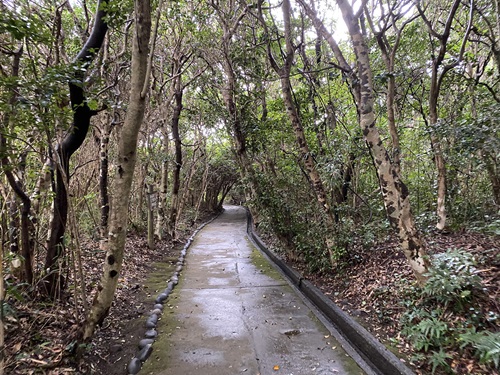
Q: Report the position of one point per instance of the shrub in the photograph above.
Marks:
(447, 317)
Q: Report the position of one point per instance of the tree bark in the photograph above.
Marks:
(204, 184)
(187, 182)
(151, 234)
(17, 187)
(176, 176)
(394, 191)
(229, 95)
(293, 115)
(163, 189)
(343, 65)
(127, 154)
(388, 52)
(437, 74)
(104, 177)
(54, 281)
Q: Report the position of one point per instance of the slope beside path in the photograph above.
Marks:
(233, 313)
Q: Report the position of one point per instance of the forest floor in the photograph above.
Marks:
(39, 334)
(374, 286)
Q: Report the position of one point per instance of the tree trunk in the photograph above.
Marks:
(176, 176)
(438, 153)
(437, 75)
(204, 184)
(229, 96)
(388, 52)
(163, 189)
(17, 187)
(343, 65)
(492, 168)
(151, 234)
(14, 225)
(104, 177)
(391, 121)
(239, 138)
(306, 156)
(187, 183)
(394, 191)
(54, 281)
(127, 154)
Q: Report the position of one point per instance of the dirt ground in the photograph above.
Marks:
(40, 334)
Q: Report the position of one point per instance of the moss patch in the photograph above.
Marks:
(158, 361)
(162, 272)
(262, 263)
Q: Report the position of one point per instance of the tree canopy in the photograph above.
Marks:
(391, 127)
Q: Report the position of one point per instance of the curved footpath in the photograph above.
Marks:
(234, 313)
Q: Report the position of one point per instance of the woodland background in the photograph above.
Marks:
(375, 148)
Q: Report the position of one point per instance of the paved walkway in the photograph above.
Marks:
(233, 313)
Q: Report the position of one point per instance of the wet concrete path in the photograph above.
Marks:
(233, 313)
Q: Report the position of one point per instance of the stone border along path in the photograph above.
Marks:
(369, 354)
(146, 344)
(373, 353)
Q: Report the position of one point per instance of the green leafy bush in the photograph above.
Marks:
(452, 279)
(448, 318)
(487, 345)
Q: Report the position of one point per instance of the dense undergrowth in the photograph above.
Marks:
(448, 326)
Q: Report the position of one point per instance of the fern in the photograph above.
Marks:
(439, 360)
(487, 345)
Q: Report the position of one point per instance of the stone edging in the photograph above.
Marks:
(376, 355)
(146, 344)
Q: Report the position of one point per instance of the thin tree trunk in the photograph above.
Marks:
(104, 177)
(176, 176)
(203, 190)
(14, 226)
(127, 155)
(186, 191)
(229, 95)
(239, 138)
(306, 156)
(438, 73)
(151, 234)
(163, 190)
(438, 152)
(139, 212)
(388, 52)
(391, 121)
(394, 191)
(26, 246)
(494, 175)
(343, 65)
(77, 133)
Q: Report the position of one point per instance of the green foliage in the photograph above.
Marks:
(440, 360)
(429, 333)
(452, 279)
(448, 316)
(487, 345)
(22, 24)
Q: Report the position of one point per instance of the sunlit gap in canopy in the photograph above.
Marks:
(327, 12)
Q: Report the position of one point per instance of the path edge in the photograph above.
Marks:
(377, 356)
(145, 345)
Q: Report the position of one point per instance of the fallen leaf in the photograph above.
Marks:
(276, 368)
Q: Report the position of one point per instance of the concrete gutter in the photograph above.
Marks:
(377, 356)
